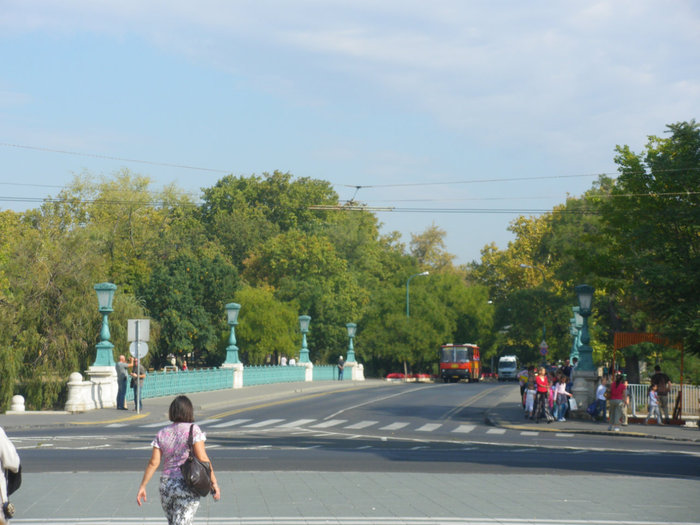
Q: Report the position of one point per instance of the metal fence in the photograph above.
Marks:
(691, 399)
(325, 373)
(265, 375)
(160, 384)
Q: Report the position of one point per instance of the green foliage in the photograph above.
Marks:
(186, 296)
(634, 238)
(267, 327)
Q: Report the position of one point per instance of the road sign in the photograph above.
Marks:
(139, 351)
(543, 347)
(138, 329)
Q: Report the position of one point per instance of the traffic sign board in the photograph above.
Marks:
(543, 347)
(139, 352)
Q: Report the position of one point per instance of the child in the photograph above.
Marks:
(561, 396)
(600, 400)
(653, 405)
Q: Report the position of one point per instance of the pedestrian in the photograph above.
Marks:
(122, 368)
(179, 502)
(617, 399)
(601, 400)
(9, 461)
(663, 388)
(184, 366)
(341, 366)
(561, 397)
(542, 396)
(653, 405)
(628, 400)
(522, 380)
(283, 360)
(530, 393)
(138, 375)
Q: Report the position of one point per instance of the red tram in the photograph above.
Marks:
(458, 362)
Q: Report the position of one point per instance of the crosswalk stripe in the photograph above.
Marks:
(264, 423)
(395, 426)
(297, 423)
(529, 433)
(329, 423)
(230, 423)
(117, 425)
(207, 422)
(362, 424)
(428, 427)
(496, 431)
(159, 424)
(564, 435)
(464, 429)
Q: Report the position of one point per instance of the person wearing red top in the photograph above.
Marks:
(541, 399)
(618, 392)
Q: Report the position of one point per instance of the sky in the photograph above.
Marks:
(454, 113)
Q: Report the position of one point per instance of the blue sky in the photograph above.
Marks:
(426, 105)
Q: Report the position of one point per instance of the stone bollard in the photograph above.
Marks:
(17, 404)
(79, 394)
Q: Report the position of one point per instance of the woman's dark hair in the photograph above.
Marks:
(181, 410)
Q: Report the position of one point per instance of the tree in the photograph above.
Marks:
(651, 224)
(266, 326)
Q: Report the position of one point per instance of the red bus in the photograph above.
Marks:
(458, 362)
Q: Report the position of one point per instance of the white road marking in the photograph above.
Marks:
(395, 426)
(564, 435)
(529, 433)
(464, 429)
(230, 423)
(429, 427)
(362, 424)
(329, 423)
(264, 423)
(159, 424)
(496, 431)
(297, 423)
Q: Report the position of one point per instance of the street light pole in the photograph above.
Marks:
(407, 286)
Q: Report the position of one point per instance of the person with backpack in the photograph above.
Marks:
(9, 461)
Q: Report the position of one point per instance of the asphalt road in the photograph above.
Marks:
(429, 443)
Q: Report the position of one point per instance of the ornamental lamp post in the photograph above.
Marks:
(352, 328)
(105, 295)
(585, 299)
(407, 285)
(232, 310)
(304, 321)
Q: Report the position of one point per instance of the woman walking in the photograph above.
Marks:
(171, 443)
(618, 390)
(542, 398)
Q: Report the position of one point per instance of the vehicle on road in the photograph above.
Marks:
(508, 368)
(459, 362)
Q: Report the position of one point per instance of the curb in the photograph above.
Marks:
(493, 419)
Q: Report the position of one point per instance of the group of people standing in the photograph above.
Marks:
(546, 394)
(132, 369)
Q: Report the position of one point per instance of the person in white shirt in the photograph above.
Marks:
(9, 460)
(600, 399)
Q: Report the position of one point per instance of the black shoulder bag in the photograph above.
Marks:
(14, 480)
(197, 473)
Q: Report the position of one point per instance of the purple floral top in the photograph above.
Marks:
(172, 442)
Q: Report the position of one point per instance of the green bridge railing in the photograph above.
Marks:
(160, 384)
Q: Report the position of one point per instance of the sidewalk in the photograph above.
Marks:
(156, 409)
(509, 414)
